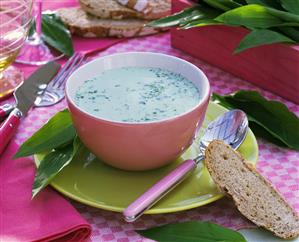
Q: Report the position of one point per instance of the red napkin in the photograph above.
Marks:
(47, 217)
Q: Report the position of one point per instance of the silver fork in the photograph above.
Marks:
(54, 92)
(55, 89)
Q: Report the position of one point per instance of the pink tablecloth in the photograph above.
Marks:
(279, 165)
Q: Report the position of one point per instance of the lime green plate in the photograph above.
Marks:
(90, 181)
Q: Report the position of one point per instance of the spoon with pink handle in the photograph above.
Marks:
(231, 127)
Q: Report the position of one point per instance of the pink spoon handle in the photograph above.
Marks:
(5, 110)
(160, 189)
(8, 128)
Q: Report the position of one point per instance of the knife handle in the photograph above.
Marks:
(9, 127)
(5, 110)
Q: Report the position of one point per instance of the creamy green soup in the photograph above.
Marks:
(137, 94)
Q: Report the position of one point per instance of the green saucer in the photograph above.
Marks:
(91, 182)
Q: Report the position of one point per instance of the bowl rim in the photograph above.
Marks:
(204, 99)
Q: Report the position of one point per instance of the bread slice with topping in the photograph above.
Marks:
(114, 10)
(254, 196)
(144, 6)
(85, 25)
(108, 9)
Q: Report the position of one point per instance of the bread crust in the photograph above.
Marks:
(82, 24)
(241, 190)
(113, 10)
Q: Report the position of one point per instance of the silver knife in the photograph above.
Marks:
(25, 96)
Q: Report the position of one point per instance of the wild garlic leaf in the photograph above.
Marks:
(193, 231)
(55, 33)
(287, 17)
(291, 32)
(266, 3)
(52, 164)
(241, 2)
(174, 20)
(200, 23)
(223, 5)
(260, 37)
(291, 5)
(59, 130)
(251, 16)
(272, 116)
(188, 15)
(203, 14)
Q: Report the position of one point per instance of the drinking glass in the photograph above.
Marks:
(15, 20)
(35, 51)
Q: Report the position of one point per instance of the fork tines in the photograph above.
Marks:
(72, 64)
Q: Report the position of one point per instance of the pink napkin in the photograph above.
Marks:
(47, 217)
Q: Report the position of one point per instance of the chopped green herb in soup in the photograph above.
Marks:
(137, 94)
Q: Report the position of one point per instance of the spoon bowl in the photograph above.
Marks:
(231, 127)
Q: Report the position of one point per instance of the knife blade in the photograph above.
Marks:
(25, 95)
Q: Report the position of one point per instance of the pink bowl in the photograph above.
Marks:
(138, 146)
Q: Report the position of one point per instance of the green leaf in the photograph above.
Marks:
(291, 6)
(223, 5)
(194, 231)
(266, 3)
(52, 164)
(200, 23)
(56, 34)
(185, 16)
(31, 28)
(223, 102)
(272, 116)
(252, 16)
(241, 2)
(289, 18)
(261, 132)
(260, 37)
(201, 13)
(283, 26)
(59, 130)
(291, 32)
(175, 19)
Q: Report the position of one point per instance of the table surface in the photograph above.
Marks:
(278, 165)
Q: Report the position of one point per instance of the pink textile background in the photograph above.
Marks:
(23, 219)
(280, 166)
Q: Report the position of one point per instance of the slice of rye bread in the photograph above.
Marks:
(85, 25)
(254, 196)
(111, 9)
